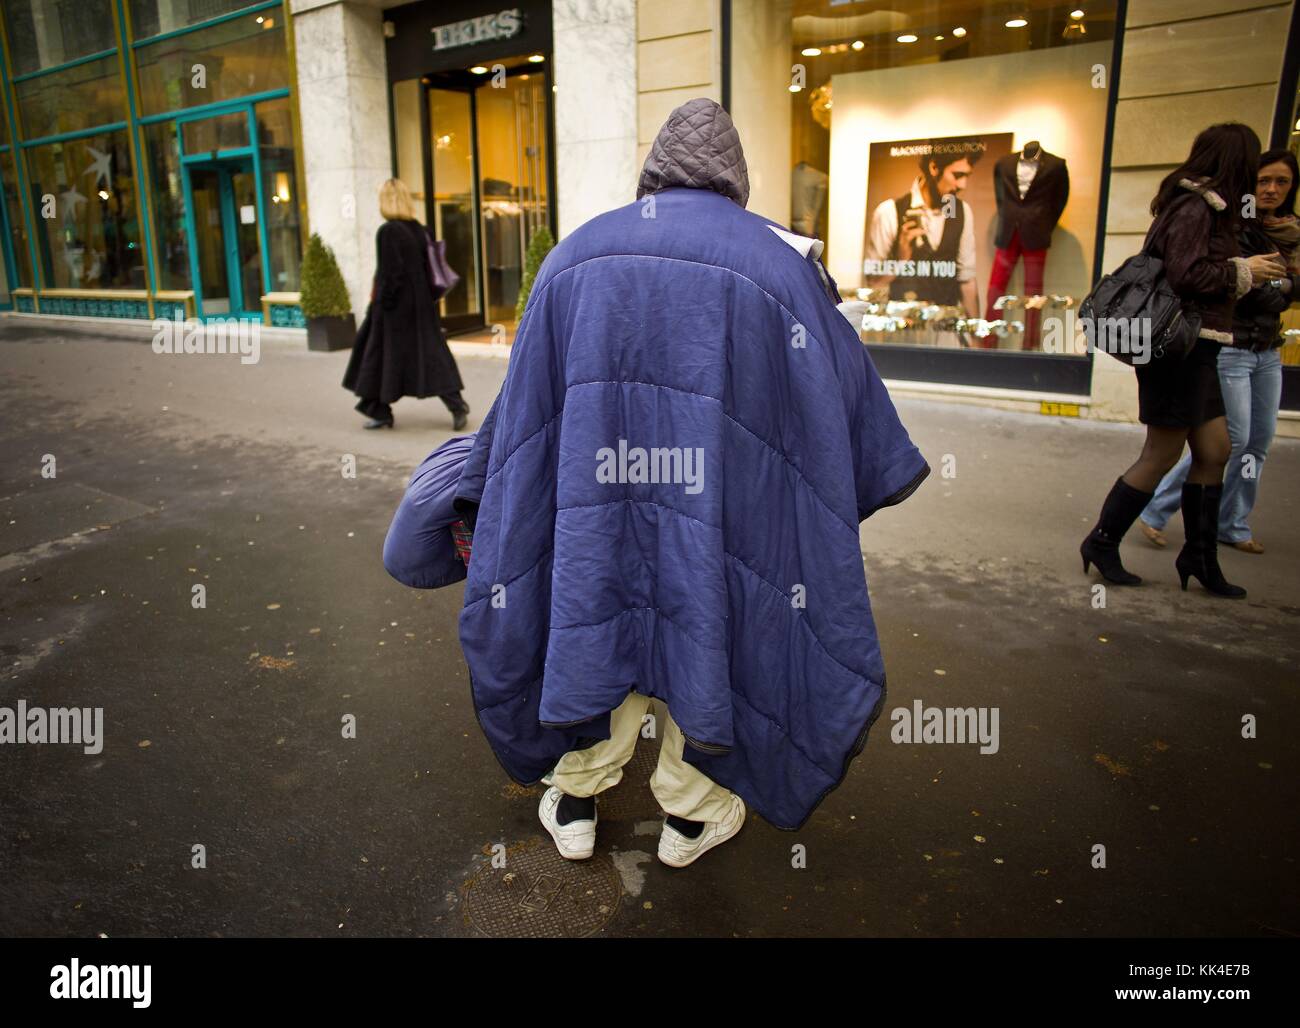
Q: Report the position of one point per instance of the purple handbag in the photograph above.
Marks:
(442, 280)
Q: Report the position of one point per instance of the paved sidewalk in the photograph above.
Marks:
(1119, 727)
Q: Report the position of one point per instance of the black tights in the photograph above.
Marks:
(1210, 446)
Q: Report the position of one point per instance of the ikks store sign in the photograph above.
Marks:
(489, 27)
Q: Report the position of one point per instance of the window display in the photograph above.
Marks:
(940, 150)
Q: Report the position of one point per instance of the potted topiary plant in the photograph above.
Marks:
(324, 298)
(538, 247)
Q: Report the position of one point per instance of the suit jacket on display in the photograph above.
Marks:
(1037, 214)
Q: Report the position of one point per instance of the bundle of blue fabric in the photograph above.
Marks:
(666, 497)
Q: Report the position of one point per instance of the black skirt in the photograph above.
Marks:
(1181, 393)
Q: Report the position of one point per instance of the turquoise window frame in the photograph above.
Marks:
(133, 125)
(8, 242)
(251, 153)
(20, 173)
(55, 68)
(243, 12)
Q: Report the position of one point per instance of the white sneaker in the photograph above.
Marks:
(676, 850)
(577, 839)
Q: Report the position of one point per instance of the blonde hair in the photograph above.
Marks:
(395, 201)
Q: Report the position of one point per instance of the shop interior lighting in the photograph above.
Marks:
(478, 69)
(858, 44)
(535, 58)
(907, 37)
(1076, 14)
(937, 38)
(1017, 23)
(811, 51)
(959, 32)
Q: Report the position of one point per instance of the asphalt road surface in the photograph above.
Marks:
(228, 800)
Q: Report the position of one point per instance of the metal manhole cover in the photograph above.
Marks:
(540, 895)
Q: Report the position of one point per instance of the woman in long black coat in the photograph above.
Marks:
(400, 349)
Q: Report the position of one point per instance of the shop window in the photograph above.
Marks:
(75, 98)
(17, 227)
(949, 154)
(47, 33)
(224, 132)
(235, 58)
(154, 17)
(92, 239)
(171, 244)
(281, 202)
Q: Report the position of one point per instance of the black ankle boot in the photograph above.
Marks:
(1199, 557)
(1123, 505)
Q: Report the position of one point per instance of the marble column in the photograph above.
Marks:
(342, 93)
(595, 107)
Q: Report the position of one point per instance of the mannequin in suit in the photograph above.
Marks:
(808, 187)
(1031, 188)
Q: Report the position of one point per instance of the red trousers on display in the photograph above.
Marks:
(1004, 262)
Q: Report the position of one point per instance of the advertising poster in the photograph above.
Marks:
(930, 218)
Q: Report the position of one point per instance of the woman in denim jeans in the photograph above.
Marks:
(1250, 370)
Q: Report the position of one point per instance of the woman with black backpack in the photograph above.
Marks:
(1198, 211)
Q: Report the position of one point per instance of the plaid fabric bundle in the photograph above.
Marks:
(463, 538)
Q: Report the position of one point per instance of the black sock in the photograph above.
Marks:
(575, 808)
(690, 829)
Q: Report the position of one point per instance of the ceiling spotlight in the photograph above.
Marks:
(103, 194)
(858, 44)
(907, 37)
(959, 32)
(1017, 23)
(478, 69)
(938, 38)
(1076, 14)
(811, 51)
(796, 89)
(535, 59)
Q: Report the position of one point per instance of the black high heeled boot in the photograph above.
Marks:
(1199, 557)
(1123, 505)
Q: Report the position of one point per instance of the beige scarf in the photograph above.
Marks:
(1285, 234)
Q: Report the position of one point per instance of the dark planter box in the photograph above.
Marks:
(333, 333)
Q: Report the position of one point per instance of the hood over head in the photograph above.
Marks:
(699, 148)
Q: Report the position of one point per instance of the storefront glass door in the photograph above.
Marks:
(490, 183)
(223, 199)
(453, 212)
(222, 182)
(512, 176)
